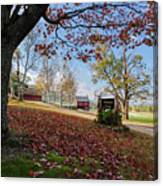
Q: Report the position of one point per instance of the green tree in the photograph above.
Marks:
(16, 84)
(126, 77)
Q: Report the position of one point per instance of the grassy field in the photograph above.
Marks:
(141, 117)
(52, 108)
(138, 118)
(51, 144)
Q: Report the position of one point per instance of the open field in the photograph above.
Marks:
(52, 108)
(136, 118)
(141, 117)
(52, 144)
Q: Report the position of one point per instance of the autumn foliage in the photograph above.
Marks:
(111, 155)
(79, 27)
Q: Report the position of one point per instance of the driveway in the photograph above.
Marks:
(144, 129)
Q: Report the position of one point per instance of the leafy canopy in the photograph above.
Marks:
(113, 71)
(78, 27)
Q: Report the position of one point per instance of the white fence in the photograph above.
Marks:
(59, 99)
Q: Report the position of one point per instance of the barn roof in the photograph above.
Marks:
(31, 91)
(82, 98)
(107, 96)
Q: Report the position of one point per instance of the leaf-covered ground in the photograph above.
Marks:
(72, 147)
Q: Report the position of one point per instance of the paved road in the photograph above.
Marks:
(144, 129)
(150, 130)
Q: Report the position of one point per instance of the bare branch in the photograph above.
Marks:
(61, 39)
(68, 15)
(94, 7)
(93, 26)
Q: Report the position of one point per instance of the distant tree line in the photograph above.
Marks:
(142, 108)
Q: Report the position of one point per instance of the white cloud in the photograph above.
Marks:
(84, 90)
(33, 76)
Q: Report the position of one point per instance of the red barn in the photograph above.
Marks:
(31, 94)
(83, 102)
(32, 97)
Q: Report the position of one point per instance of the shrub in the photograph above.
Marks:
(100, 117)
(110, 117)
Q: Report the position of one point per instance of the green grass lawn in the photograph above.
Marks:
(141, 117)
(51, 164)
(24, 166)
(16, 163)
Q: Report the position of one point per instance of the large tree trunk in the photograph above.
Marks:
(126, 100)
(126, 108)
(13, 31)
(61, 98)
(20, 93)
(6, 57)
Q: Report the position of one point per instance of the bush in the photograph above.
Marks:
(110, 118)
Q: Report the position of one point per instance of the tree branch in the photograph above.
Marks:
(71, 14)
(24, 24)
(92, 26)
(68, 15)
(114, 88)
(61, 39)
(5, 13)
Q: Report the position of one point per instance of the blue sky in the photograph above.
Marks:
(83, 73)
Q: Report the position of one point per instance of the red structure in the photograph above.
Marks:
(83, 103)
(32, 97)
(30, 93)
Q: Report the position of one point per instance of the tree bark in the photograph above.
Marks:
(126, 102)
(6, 57)
(12, 33)
(61, 98)
(126, 106)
